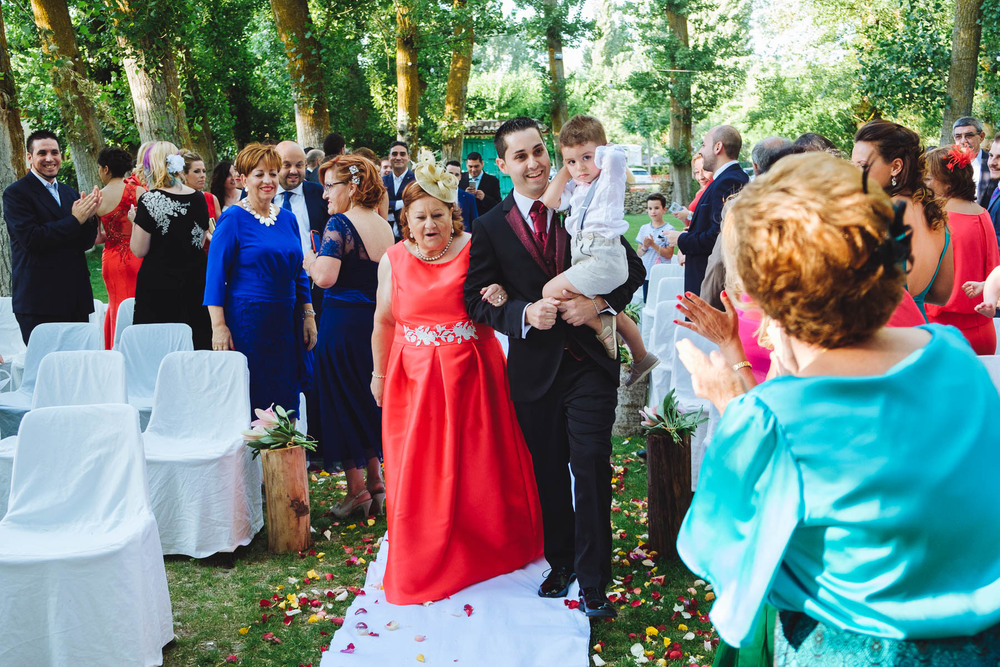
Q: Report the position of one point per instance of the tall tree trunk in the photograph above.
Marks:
(408, 86)
(680, 114)
(12, 149)
(965, 39)
(558, 111)
(312, 116)
(69, 76)
(202, 140)
(458, 84)
(156, 96)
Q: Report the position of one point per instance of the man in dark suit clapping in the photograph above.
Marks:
(484, 187)
(396, 181)
(720, 151)
(50, 227)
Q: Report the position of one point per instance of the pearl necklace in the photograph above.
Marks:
(437, 256)
(268, 221)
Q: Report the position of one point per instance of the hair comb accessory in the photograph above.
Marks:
(958, 158)
(354, 174)
(434, 180)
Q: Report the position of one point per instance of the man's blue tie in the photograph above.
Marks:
(287, 204)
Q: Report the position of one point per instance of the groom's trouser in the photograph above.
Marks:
(571, 423)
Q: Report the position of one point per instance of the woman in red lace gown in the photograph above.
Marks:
(462, 501)
(949, 175)
(119, 266)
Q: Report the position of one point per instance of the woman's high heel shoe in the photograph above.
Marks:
(378, 500)
(351, 504)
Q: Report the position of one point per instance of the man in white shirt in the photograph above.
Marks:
(968, 133)
(303, 198)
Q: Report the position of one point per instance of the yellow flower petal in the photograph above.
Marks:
(682, 627)
(243, 631)
(709, 597)
(313, 619)
(312, 574)
(371, 522)
(420, 657)
(651, 631)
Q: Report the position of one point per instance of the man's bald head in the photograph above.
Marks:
(722, 144)
(293, 164)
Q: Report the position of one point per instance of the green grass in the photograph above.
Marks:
(217, 609)
(96, 280)
(635, 222)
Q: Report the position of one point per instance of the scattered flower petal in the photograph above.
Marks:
(468, 609)
(349, 649)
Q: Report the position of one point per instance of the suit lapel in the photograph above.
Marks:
(49, 203)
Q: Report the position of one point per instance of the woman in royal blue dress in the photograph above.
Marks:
(854, 492)
(256, 291)
(353, 242)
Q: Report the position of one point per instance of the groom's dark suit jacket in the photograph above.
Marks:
(497, 255)
(698, 241)
(49, 270)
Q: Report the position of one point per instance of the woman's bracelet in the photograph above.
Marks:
(377, 376)
(742, 364)
(309, 313)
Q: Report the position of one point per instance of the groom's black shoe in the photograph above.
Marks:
(556, 584)
(595, 604)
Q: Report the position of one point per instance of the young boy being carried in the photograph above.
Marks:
(592, 185)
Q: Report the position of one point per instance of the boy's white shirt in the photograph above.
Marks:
(606, 214)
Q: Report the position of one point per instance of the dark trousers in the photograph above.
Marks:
(28, 321)
(571, 424)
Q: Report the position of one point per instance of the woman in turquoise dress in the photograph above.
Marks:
(854, 493)
(256, 290)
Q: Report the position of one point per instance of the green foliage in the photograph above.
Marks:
(669, 420)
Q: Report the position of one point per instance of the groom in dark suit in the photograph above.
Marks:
(563, 385)
(720, 151)
(50, 227)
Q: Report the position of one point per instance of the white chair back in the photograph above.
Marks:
(97, 318)
(661, 343)
(82, 377)
(996, 325)
(144, 347)
(658, 272)
(680, 377)
(11, 342)
(201, 394)
(992, 363)
(94, 451)
(53, 337)
(124, 318)
(668, 288)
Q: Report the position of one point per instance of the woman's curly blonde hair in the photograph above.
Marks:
(812, 248)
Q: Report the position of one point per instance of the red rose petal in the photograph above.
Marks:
(349, 649)
(265, 603)
(468, 609)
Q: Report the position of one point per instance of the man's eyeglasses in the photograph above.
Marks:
(967, 135)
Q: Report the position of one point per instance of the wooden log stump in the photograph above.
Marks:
(668, 480)
(630, 401)
(286, 487)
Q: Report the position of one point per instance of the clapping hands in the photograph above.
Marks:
(86, 206)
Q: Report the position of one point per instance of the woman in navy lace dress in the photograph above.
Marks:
(256, 291)
(353, 242)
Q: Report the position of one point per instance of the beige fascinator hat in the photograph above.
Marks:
(434, 180)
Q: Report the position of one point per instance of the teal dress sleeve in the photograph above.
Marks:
(748, 504)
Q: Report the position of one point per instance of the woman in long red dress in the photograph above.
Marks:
(949, 175)
(119, 267)
(462, 501)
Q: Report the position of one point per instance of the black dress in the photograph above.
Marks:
(170, 285)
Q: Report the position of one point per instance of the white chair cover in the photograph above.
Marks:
(45, 338)
(144, 347)
(992, 363)
(996, 325)
(83, 377)
(661, 343)
(12, 347)
(680, 382)
(204, 485)
(80, 564)
(124, 318)
(668, 287)
(97, 319)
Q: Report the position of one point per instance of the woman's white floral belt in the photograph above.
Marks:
(441, 334)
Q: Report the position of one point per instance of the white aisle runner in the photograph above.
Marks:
(509, 625)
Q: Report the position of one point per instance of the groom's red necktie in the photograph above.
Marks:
(539, 221)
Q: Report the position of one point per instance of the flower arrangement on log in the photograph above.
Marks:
(274, 429)
(671, 419)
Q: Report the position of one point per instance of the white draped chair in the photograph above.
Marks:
(204, 485)
(12, 347)
(680, 382)
(144, 346)
(996, 325)
(992, 363)
(661, 343)
(81, 569)
(667, 289)
(83, 377)
(96, 318)
(124, 318)
(45, 338)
